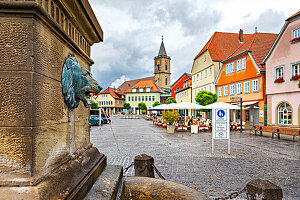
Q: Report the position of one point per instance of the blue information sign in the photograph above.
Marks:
(221, 113)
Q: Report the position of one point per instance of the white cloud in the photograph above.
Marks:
(119, 81)
(133, 29)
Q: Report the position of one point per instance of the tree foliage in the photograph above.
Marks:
(94, 105)
(126, 106)
(156, 103)
(171, 100)
(204, 98)
(142, 106)
(170, 116)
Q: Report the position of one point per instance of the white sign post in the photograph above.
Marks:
(220, 129)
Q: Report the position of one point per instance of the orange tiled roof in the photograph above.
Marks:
(146, 83)
(128, 84)
(221, 45)
(115, 93)
(294, 15)
(259, 45)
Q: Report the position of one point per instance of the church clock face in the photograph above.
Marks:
(166, 62)
(158, 62)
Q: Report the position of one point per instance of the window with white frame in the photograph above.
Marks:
(210, 88)
(279, 72)
(201, 75)
(135, 98)
(210, 71)
(146, 98)
(205, 73)
(219, 91)
(284, 114)
(295, 32)
(232, 89)
(296, 69)
(141, 89)
(148, 89)
(133, 89)
(197, 77)
(244, 63)
(246, 87)
(226, 90)
(230, 68)
(153, 98)
(239, 88)
(241, 64)
(255, 85)
(139, 98)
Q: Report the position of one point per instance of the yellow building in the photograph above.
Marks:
(111, 100)
(143, 91)
(207, 63)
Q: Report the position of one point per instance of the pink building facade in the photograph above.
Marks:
(282, 66)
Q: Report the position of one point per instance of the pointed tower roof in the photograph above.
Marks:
(162, 50)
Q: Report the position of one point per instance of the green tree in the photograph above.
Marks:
(142, 106)
(171, 100)
(204, 98)
(156, 103)
(94, 105)
(126, 106)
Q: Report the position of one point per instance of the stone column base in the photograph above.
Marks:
(71, 180)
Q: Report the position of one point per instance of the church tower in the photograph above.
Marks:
(162, 70)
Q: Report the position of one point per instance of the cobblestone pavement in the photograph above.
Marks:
(186, 158)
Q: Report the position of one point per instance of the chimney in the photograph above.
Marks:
(255, 29)
(241, 35)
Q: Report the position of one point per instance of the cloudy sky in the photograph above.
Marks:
(133, 30)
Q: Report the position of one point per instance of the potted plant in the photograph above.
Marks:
(170, 117)
(279, 80)
(194, 127)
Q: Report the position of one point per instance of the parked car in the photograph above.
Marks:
(94, 120)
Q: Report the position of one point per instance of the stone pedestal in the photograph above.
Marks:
(263, 189)
(39, 157)
(143, 166)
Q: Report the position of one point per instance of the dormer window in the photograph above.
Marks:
(141, 89)
(133, 89)
(295, 37)
(148, 89)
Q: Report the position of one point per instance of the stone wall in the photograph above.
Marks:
(34, 120)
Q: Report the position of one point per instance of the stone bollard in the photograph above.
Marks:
(259, 189)
(143, 166)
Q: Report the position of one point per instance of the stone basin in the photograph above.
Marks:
(142, 188)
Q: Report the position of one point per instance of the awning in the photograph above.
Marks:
(247, 103)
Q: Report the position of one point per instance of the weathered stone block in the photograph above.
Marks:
(16, 45)
(15, 150)
(15, 99)
(264, 188)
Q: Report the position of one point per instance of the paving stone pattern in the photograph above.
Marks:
(186, 158)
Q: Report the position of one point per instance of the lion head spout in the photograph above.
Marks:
(77, 83)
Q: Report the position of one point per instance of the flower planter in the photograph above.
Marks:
(170, 128)
(194, 128)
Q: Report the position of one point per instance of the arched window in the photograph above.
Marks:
(284, 114)
(166, 67)
(166, 81)
(52, 9)
(57, 15)
(158, 67)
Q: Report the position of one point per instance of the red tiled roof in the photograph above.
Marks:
(115, 93)
(294, 15)
(259, 45)
(145, 84)
(128, 84)
(221, 45)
